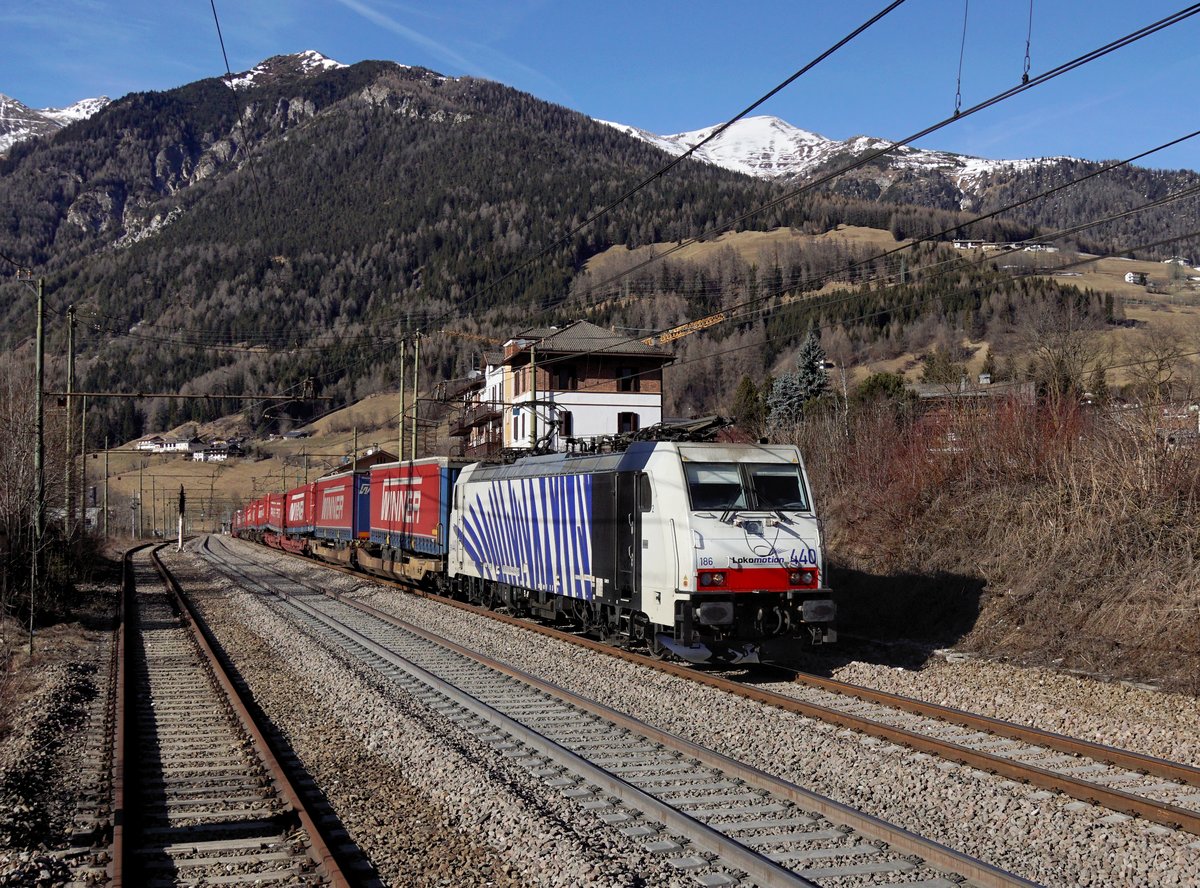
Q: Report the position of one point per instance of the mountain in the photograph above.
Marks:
(283, 67)
(283, 235)
(19, 123)
(250, 239)
(770, 148)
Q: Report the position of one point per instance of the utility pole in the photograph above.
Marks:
(106, 486)
(153, 505)
(141, 499)
(83, 465)
(354, 459)
(39, 457)
(69, 487)
(182, 506)
(403, 406)
(416, 392)
(533, 397)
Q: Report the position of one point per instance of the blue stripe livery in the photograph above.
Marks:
(532, 532)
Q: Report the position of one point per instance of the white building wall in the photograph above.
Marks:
(592, 414)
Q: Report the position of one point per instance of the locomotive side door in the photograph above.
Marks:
(627, 534)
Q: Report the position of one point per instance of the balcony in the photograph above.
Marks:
(474, 416)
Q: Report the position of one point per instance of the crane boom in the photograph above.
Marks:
(687, 329)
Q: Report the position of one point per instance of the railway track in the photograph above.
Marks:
(718, 820)
(199, 797)
(1126, 782)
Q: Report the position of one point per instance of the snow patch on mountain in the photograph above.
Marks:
(302, 63)
(81, 110)
(770, 148)
(18, 122)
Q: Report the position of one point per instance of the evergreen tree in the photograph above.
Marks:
(882, 387)
(1101, 394)
(940, 367)
(748, 407)
(785, 404)
(792, 391)
(811, 375)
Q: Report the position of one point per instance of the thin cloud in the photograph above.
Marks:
(437, 48)
(472, 66)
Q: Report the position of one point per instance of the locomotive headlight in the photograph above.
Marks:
(801, 577)
(711, 578)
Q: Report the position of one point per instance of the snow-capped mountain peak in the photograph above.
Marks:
(301, 63)
(81, 110)
(19, 122)
(758, 146)
(770, 148)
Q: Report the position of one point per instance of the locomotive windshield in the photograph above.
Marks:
(748, 486)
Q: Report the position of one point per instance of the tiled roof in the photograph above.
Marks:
(583, 336)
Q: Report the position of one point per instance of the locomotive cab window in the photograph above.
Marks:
(715, 486)
(645, 496)
(748, 486)
(778, 486)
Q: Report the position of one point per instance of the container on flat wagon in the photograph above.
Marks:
(410, 504)
(301, 509)
(343, 506)
(275, 512)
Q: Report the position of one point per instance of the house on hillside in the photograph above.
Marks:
(1137, 277)
(216, 451)
(183, 446)
(371, 456)
(942, 407)
(558, 388)
(169, 444)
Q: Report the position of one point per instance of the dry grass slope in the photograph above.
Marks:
(1045, 535)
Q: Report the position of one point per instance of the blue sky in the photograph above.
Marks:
(672, 66)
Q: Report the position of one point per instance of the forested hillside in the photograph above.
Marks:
(286, 236)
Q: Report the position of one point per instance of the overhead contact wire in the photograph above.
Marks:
(690, 151)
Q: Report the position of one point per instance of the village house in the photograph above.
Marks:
(559, 388)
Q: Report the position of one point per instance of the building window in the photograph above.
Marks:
(628, 380)
(566, 424)
(627, 422)
(566, 378)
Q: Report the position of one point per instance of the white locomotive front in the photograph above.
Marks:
(706, 551)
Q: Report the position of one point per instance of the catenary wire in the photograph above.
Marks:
(686, 154)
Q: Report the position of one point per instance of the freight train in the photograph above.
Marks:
(709, 552)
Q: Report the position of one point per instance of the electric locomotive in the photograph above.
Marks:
(705, 551)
